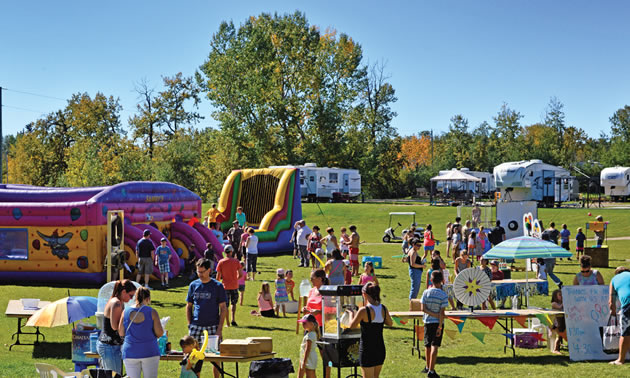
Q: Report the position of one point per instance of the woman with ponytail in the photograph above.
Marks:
(371, 318)
(109, 341)
(142, 327)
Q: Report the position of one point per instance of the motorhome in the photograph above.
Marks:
(327, 184)
(616, 182)
(485, 186)
(533, 180)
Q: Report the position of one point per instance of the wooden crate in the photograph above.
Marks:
(599, 256)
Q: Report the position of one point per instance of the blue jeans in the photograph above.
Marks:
(549, 265)
(416, 280)
(111, 356)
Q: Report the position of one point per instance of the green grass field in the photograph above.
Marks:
(464, 356)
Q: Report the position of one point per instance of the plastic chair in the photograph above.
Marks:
(51, 371)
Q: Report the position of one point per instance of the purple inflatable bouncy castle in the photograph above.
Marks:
(59, 234)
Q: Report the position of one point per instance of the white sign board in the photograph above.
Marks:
(586, 309)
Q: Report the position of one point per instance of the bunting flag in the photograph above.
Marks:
(420, 332)
(451, 333)
(397, 320)
(479, 336)
(403, 322)
(544, 319)
(521, 320)
(508, 335)
(460, 326)
(488, 321)
(537, 336)
(456, 319)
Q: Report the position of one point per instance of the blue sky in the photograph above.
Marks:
(444, 57)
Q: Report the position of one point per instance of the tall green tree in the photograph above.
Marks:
(281, 88)
(507, 130)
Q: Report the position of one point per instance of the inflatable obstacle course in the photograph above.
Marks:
(59, 234)
(270, 198)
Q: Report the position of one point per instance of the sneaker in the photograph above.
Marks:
(234, 324)
(425, 370)
(300, 265)
(433, 374)
(167, 286)
(560, 286)
(147, 286)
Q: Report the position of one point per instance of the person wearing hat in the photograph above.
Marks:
(234, 237)
(163, 255)
(281, 293)
(229, 272)
(497, 275)
(308, 349)
(145, 253)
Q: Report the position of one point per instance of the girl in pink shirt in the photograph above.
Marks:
(241, 282)
(368, 274)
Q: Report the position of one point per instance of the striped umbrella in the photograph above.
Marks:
(526, 247)
(64, 311)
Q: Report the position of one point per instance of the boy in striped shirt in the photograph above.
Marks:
(433, 304)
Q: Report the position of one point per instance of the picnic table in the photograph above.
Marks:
(505, 319)
(15, 309)
(214, 359)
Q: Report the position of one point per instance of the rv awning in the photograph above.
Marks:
(455, 176)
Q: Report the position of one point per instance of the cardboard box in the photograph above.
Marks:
(241, 348)
(414, 305)
(266, 343)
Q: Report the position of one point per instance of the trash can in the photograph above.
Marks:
(271, 368)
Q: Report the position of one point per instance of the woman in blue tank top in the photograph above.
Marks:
(140, 325)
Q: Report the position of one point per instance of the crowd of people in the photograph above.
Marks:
(130, 335)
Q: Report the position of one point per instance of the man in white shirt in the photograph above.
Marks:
(302, 241)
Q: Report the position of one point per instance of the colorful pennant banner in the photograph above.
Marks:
(521, 320)
(479, 336)
(488, 321)
(460, 326)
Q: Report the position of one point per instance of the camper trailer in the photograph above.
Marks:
(616, 182)
(485, 186)
(327, 184)
(533, 180)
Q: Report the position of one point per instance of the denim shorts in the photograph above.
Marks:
(110, 356)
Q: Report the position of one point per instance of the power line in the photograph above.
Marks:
(24, 109)
(34, 94)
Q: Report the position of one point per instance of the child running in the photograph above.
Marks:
(308, 349)
(281, 293)
(368, 274)
(190, 368)
(433, 303)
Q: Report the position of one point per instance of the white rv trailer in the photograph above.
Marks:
(319, 183)
(616, 182)
(533, 180)
(485, 186)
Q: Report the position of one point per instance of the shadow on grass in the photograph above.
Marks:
(538, 360)
(269, 328)
(168, 304)
(53, 350)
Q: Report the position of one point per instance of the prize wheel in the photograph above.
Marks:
(472, 287)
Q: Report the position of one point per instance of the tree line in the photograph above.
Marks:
(284, 92)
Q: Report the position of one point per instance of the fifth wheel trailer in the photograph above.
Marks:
(616, 182)
(324, 184)
(533, 180)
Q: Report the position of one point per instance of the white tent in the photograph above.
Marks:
(454, 175)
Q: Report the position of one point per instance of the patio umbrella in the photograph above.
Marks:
(64, 311)
(526, 247)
